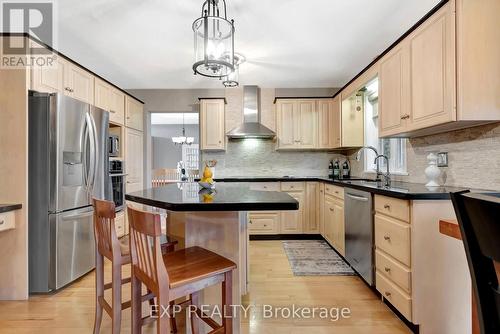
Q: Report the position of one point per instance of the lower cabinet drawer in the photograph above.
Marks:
(7, 220)
(393, 237)
(397, 297)
(293, 186)
(265, 186)
(398, 273)
(263, 222)
(334, 191)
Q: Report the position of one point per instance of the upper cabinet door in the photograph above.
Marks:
(134, 114)
(393, 83)
(432, 70)
(352, 123)
(134, 157)
(49, 79)
(329, 123)
(78, 83)
(102, 94)
(212, 124)
(117, 107)
(286, 111)
(307, 123)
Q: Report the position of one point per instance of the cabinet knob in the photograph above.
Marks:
(387, 238)
(387, 269)
(2, 222)
(250, 222)
(387, 294)
(387, 206)
(331, 209)
(112, 111)
(220, 141)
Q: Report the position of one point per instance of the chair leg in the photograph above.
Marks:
(163, 324)
(173, 323)
(99, 291)
(151, 304)
(116, 277)
(195, 301)
(227, 299)
(136, 305)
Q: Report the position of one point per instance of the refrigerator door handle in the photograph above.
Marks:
(96, 151)
(92, 170)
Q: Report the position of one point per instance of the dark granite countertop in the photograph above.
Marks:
(403, 190)
(189, 196)
(9, 207)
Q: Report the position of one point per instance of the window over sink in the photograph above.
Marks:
(393, 148)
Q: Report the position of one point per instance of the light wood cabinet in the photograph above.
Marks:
(134, 159)
(264, 222)
(120, 224)
(306, 123)
(312, 219)
(7, 221)
(329, 123)
(49, 79)
(78, 83)
(102, 94)
(432, 71)
(334, 223)
(212, 124)
(444, 75)
(292, 222)
(322, 209)
(297, 124)
(393, 252)
(134, 116)
(394, 98)
(116, 106)
(353, 123)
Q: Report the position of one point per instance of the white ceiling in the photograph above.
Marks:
(287, 43)
(174, 118)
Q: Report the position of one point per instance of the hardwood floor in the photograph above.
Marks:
(71, 310)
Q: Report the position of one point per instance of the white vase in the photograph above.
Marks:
(432, 172)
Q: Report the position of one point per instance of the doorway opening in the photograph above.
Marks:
(175, 139)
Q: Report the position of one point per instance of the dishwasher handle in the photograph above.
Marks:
(357, 198)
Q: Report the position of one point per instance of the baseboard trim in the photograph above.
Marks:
(285, 237)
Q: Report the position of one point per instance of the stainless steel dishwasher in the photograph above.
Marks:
(359, 232)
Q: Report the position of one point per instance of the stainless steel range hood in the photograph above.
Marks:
(251, 127)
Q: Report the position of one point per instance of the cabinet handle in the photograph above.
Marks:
(250, 221)
(265, 187)
(336, 192)
(387, 269)
(68, 89)
(387, 206)
(387, 294)
(220, 141)
(112, 111)
(331, 209)
(321, 191)
(291, 187)
(387, 238)
(2, 222)
(265, 225)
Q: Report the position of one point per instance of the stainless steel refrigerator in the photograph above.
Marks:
(68, 165)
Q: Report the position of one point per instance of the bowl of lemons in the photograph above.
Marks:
(207, 181)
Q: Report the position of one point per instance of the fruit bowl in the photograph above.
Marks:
(207, 185)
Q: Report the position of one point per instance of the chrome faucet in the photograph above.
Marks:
(358, 157)
(387, 175)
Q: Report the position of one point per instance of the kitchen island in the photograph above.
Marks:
(216, 220)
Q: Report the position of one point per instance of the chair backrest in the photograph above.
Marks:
(106, 239)
(479, 219)
(145, 249)
(164, 176)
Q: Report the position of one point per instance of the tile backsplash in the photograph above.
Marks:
(473, 157)
(257, 157)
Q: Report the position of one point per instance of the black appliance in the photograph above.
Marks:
(114, 146)
(117, 183)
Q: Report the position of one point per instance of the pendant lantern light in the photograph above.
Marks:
(213, 41)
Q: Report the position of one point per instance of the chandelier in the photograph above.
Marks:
(183, 140)
(213, 41)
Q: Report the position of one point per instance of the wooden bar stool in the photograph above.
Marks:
(118, 252)
(176, 274)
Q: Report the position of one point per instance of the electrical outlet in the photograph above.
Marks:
(442, 160)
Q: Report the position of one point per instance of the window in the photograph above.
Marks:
(393, 148)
